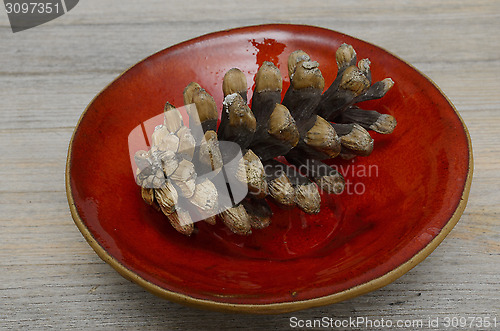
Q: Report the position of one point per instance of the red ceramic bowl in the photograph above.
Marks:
(403, 199)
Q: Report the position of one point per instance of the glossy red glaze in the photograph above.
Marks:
(410, 187)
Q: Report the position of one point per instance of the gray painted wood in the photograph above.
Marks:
(50, 277)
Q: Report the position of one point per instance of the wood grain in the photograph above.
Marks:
(51, 278)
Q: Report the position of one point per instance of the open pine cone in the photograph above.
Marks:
(193, 174)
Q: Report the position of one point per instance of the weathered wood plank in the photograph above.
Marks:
(51, 278)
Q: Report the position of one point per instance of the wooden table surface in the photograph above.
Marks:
(49, 275)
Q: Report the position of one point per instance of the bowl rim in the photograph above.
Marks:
(281, 307)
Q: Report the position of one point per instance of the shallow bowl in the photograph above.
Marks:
(400, 202)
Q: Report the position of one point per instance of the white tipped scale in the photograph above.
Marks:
(147, 195)
(159, 134)
(282, 126)
(206, 106)
(209, 152)
(364, 67)
(385, 124)
(255, 175)
(189, 91)
(186, 187)
(323, 138)
(185, 178)
(358, 141)
(142, 159)
(258, 222)
(281, 189)
(369, 119)
(388, 84)
(238, 122)
(235, 81)
(237, 220)
(173, 118)
(345, 56)
(268, 78)
(307, 198)
(308, 75)
(181, 221)
(169, 162)
(205, 198)
(201, 108)
(354, 80)
(187, 143)
(169, 142)
(294, 58)
(151, 177)
(167, 198)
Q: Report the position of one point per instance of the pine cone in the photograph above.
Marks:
(184, 174)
